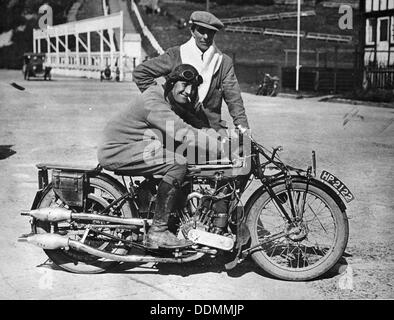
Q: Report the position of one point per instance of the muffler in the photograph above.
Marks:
(46, 241)
(51, 241)
(57, 214)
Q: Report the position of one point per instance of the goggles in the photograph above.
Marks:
(188, 76)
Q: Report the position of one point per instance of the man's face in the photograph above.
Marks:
(183, 92)
(203, 36)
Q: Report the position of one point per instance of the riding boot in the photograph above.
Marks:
(158, 234)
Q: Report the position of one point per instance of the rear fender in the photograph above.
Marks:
(314, 182)
(112, 180)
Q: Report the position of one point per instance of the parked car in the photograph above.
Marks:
(34, 66)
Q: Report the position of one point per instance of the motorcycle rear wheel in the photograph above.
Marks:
(102, 193)
(316, 251)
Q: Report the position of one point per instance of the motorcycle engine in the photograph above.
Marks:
(206, 216)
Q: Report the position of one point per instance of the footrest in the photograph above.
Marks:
(154, 246)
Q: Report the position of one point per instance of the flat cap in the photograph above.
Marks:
(206, 19)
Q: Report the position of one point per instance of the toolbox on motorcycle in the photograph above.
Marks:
(69, 186)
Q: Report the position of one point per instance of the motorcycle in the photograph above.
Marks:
(294, 226)
(269, 86)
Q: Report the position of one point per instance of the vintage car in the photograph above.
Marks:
(34, 66)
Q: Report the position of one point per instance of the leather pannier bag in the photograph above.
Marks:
(69, 187)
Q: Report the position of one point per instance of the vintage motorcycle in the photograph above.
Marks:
(269, 86)
(294, 226)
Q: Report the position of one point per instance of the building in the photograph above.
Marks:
(378, 19)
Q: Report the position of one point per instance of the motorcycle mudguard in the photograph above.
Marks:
(313, 182)
(113, 181)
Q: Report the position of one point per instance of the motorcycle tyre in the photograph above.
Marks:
(63, 260)
(337, 249)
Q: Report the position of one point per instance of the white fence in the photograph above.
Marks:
(79, 59)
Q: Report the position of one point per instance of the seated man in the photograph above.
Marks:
(128, 143)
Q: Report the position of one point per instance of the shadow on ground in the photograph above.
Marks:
(204, 265)
(6, 151)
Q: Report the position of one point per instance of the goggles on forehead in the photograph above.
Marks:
(188, 76)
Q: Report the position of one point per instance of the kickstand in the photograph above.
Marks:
(47, 262)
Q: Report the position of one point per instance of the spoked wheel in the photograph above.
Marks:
(101, 194)
(302, 250)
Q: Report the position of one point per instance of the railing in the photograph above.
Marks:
(331, 4)
(266, 31)
(282, 33)
(81, 61)
(329, 37)
(290, 33)
(267, 17)
(145, 29)
(381, 78)
(245, 29)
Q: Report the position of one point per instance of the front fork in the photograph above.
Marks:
(296, 215)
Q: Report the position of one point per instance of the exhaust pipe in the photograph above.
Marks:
(60, 214)
(52, 241)
(55, 214)
(46, 241)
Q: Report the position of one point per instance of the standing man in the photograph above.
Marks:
(216, 69)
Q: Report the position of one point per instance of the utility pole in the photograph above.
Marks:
(298, 45)
(207, 7)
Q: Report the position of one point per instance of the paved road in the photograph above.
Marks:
(60, 121)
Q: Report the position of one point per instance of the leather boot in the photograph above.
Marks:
(158, 234)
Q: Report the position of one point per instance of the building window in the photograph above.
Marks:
(383, 5)
(392, 30)
(370, 36)
(384, 30)
(391, 4)
(368, 5)
(375, 5)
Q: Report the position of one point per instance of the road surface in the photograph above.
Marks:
(61, 120)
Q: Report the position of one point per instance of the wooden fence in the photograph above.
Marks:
(380, 78)
(330, 80)
(252, 72)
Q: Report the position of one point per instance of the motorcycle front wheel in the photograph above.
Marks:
(309, 247)
(101, 193)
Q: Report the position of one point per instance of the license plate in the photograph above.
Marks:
(337, 185)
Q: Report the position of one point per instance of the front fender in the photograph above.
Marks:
(317, 183)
